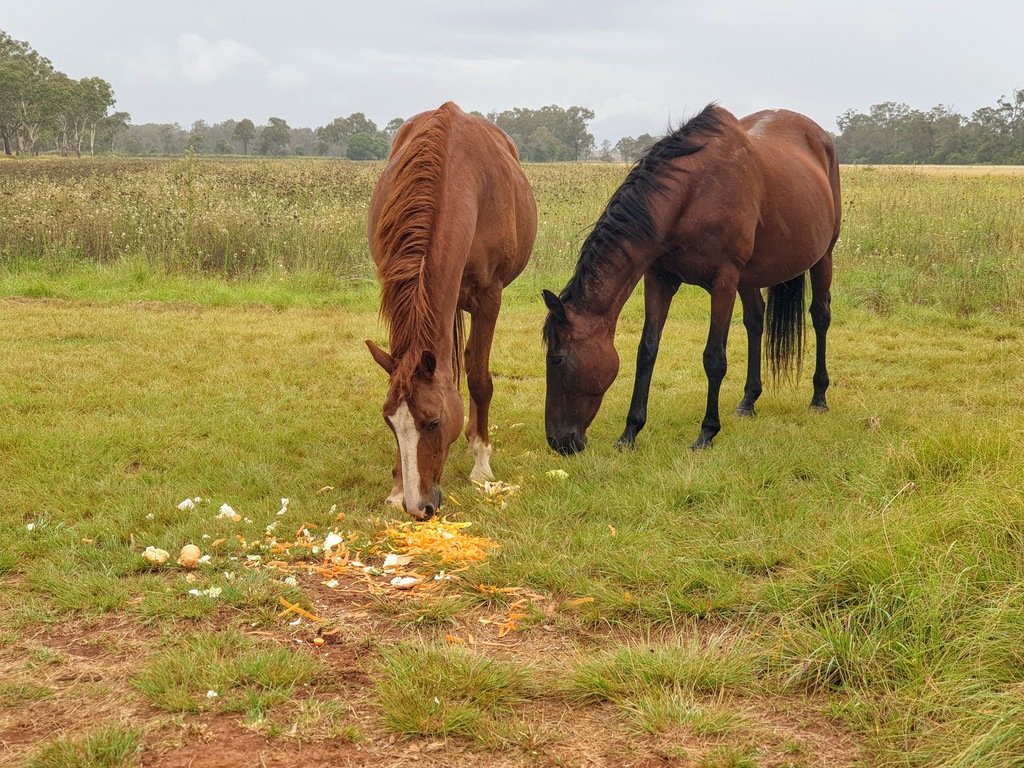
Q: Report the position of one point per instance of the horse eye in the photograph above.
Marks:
(556, 359)
(430, 426)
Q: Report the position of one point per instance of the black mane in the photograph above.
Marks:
(627, 217)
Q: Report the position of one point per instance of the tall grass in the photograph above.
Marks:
(943, 240)
(190, 215)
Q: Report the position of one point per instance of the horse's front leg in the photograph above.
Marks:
(397, 496)
(658, 292)
(753, 321)
(723, 297)
(481, 387)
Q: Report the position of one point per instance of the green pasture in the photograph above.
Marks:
(191, 328)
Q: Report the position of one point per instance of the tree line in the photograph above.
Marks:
(894, 133)
(44, 110)
(541, 135)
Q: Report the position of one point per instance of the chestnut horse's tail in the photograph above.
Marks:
(784, 321)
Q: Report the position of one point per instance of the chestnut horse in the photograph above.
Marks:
(732, 206)
(452, 221)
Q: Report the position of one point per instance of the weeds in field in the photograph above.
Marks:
(225, 672)
(112, 746)
(443, 692)
(944, 240)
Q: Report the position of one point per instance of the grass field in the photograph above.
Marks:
(817, 590)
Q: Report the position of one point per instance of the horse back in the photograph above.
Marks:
(480, 208)
(799, 207)
(487, 187)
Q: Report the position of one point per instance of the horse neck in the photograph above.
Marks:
(620, 270)
(429, 326)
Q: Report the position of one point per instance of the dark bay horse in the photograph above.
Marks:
(452, 222)
(732, 206)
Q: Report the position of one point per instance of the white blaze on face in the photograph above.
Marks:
(404, 425)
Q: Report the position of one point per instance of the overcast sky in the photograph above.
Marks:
(638, 64)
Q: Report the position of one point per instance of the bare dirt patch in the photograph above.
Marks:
(88, 664)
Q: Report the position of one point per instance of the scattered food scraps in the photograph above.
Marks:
(557, 474)
(439, 539)
(393, 561)
(227, 513)
(189, 556)
(156, 556)
(186, 505)
(293, 608)
(497, 492)
(405, 582)
(332, 540)
(212, 592)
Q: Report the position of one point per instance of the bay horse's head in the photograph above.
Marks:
(581, 364)
(425, 413)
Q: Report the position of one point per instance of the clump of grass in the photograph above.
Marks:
(112, 746)
(243, 674)
(429, 612)
(14, 694)
(428, 691)
(316, 718)
(656, 711)
(632, 672)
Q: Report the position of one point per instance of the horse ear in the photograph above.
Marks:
(384, 360)
(428, 364)
(554, 304)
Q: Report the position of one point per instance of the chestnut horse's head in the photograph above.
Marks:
(581, 364)
(425, 413)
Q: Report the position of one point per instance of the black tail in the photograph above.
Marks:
(784, 348)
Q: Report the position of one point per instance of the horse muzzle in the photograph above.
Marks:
(428, 506)
(568, 444)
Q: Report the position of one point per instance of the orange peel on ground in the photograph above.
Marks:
(441, 539)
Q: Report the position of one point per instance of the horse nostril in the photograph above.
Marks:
(428, 511)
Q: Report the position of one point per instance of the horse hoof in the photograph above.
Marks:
(819, 407)
(745, 413)
(700, 444)
(624, 443)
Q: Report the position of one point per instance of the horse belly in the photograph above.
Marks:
(795, 231)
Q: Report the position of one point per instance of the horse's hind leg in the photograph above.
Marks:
(481, 387)
(658, 293)
(821, 318)
(753, 321)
